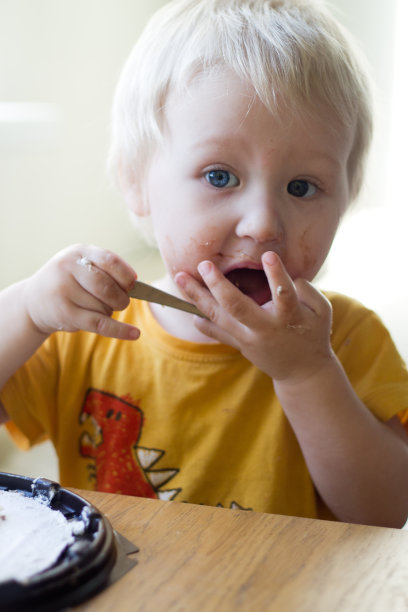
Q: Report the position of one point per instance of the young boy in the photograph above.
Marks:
(241, 128)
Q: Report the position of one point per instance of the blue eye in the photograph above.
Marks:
(221, 179)
(301, 189)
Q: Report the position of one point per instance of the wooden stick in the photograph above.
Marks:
(143, 291)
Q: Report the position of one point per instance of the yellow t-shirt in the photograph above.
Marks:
(167, 418)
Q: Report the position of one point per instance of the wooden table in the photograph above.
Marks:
(213, 559)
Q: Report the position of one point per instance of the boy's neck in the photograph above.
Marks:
(176, 322)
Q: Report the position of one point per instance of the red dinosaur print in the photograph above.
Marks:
(120, 466)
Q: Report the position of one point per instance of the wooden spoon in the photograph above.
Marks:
(143, 291)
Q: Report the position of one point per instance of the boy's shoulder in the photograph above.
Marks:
(344, 305)
(351, 316)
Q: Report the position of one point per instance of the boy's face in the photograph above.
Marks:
(231, 182)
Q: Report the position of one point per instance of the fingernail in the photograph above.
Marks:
(131, 284)
(270, 258)
(134, 334)
(204, 268)
(180, 279)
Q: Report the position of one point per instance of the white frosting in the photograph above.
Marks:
(32, 536)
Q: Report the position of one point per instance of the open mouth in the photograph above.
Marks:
(252, 283)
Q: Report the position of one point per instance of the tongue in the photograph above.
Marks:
(252, 283)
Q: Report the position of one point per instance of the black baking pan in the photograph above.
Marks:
(84, 566)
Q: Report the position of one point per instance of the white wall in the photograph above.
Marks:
(372, 23)
(370, 254)
(53, 186)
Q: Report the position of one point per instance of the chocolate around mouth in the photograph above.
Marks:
(252, 283)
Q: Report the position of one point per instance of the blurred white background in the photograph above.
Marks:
(60, 62)
(370, 253)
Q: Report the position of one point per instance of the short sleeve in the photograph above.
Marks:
(29, 397)
(370, 358)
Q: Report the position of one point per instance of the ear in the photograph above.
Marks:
(134, 196)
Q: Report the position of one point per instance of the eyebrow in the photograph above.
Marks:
(316, 155)
(217, 141)
(311, 155)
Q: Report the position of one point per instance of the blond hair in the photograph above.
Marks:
(292, 52)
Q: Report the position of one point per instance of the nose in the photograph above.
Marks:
(261, 218)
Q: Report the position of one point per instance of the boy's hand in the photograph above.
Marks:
(288, 337)
(79, 289)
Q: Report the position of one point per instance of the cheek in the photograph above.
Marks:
(168, 251)
(185, 247)
(202, 244)
(308, 253)
(311, 251)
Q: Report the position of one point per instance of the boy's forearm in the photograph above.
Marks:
(357, 463)
(19, 336)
